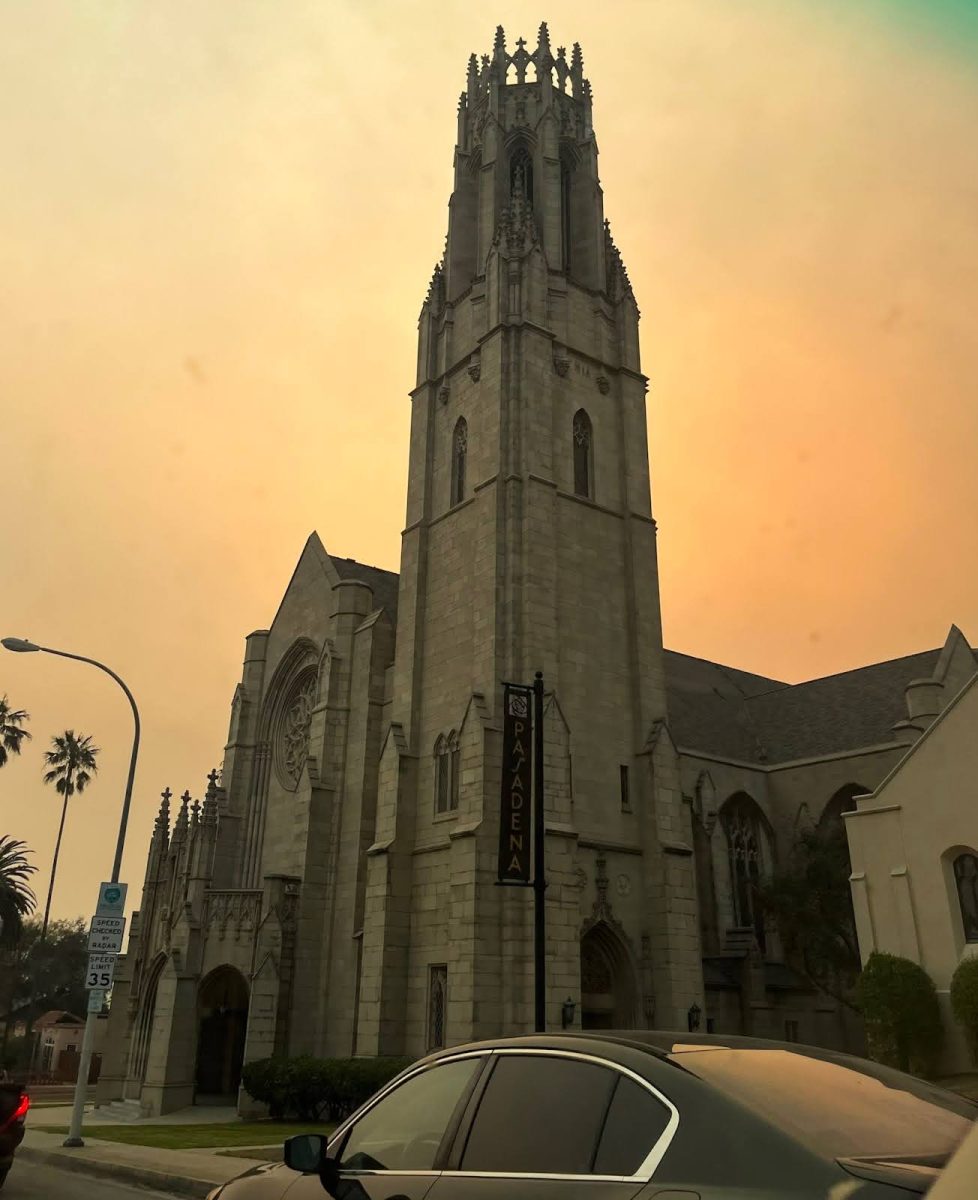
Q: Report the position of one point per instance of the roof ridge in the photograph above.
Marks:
(856, 670)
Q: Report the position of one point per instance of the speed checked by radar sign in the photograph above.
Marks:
(105, 935)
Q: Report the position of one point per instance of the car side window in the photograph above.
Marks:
(404, 1130)
(539, 1115)
(635, 1122)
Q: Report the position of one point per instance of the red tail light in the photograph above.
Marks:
(19, 1113)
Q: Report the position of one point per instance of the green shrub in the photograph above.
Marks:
(317, 1089)
(964, 1000)
(903, 1019)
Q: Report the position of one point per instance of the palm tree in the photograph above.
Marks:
(11, 734)
(16, 902)
(16, 898)
(72, 765)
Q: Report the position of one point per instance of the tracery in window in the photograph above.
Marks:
(742, 826)
(582, 435)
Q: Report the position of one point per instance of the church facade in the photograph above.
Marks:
(334, 892)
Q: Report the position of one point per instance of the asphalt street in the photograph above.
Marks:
(32, 1181)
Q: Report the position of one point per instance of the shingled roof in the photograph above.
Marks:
(732, 714)
(383, 583)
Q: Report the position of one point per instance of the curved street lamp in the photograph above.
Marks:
(23, 646)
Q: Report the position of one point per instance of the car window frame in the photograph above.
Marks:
(338, 1141)
(643, 1173)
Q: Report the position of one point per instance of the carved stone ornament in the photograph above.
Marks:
(475, 369)
(443, 393)
(603, 385)
(623, 885)
(293, 739)
(561, 366)
(580, 879)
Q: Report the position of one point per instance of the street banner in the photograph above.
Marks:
(105, 935)
(516, 819)
(100, 970)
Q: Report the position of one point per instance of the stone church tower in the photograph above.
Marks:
(529, 545)
(335, 893)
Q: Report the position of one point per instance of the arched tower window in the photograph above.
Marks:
(521, 174)
(460, 450)
(742, 824)
(966, 882)
(565, 213)
(455, 768)
(583, 456)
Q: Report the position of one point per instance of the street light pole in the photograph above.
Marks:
(22, 646)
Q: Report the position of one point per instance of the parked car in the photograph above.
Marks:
(610, 1116)
(14, 1103)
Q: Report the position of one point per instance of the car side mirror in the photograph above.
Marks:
(306, 1152)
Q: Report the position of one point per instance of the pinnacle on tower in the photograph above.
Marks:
(163, 816)
(183, 817)
(577, 70)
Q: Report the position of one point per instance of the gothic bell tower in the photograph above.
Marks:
(529, 545)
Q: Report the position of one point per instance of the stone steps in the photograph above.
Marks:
(121, 1110)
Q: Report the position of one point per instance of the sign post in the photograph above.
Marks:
(539, 864)
(522, 814)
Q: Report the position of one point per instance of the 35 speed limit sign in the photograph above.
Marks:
(101, 968)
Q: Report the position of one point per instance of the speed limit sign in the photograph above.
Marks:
(101, 968)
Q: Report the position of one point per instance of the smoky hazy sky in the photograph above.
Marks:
(218, 220)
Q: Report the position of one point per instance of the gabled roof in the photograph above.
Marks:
(57, 1016)
(708, 709)
(728, 713)
(384, 583)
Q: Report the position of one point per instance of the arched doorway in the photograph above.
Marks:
(222, 1017)
(607, 981)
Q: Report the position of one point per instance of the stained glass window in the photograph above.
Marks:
(437, 1005)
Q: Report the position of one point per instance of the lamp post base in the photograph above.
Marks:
(73, 1142)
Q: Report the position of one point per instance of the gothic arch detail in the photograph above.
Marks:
(749, 861)
(608, 985)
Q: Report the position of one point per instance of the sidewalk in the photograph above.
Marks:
(192, 1173)
(196, 1115)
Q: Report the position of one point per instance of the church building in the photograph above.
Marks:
(334, 892)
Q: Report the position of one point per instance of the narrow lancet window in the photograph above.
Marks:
(460, 449)
(583, 457)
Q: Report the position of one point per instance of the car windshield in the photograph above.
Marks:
(834, 1108)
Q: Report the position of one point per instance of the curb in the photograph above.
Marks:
(175, 1185)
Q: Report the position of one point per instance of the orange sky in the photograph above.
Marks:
(217, 224)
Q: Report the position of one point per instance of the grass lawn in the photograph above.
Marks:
(195, 1137)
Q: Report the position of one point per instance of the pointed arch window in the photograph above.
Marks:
(583, 455)
(437, 1005)
(565, 214)
(521, 175)
(454, 759)
(447, 773)
(742, 827)
(966, 882)
(460, 452)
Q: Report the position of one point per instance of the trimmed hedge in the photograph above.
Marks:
(964, 1000)
(317, 1089)
(901, 1012)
